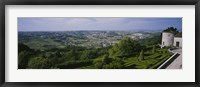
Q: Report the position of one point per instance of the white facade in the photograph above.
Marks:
(168, 39)
(178, 41)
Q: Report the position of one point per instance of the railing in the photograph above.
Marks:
(168, 61)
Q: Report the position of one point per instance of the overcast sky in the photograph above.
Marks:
(108, 24)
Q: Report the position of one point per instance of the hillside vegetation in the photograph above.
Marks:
(128, 53)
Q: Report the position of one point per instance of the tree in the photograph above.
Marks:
(39, 63)
(55, 57)
(171, 30)
(88, 54)
(71, 55)
(98, 65)
(124, 48)
(117, 64)
(24, 57)
(23, 47)
(141, 56)
(105, 59)
(154, 49)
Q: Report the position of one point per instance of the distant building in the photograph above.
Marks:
(169, 39)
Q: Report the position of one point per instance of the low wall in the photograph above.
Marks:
(169, 61)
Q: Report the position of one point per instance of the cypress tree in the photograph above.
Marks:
(141, 56)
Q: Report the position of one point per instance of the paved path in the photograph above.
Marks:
(177, 63)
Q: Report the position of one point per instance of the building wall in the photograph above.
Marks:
(167, 39)
(178, 39)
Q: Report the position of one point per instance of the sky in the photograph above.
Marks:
(99, 23)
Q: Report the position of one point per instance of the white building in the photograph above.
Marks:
(168, 39)
(178, 41)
